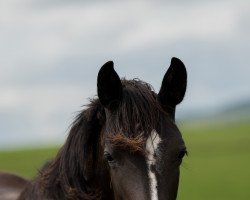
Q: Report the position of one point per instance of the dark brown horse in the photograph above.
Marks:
(11, 186)
(124, 146)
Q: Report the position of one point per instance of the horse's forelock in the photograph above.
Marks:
(138, 112)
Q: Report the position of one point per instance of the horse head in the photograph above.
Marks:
(142, 146)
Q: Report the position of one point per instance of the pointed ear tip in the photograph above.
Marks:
(109, 63)
(107, 67)
(175, 60)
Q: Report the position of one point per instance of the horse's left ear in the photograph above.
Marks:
(109, 86)
(173, 86)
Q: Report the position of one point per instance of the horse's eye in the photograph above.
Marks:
(108, 157)
(182, 153)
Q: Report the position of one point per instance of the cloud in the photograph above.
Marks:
(51, 52)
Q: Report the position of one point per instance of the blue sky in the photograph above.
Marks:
(51, 52)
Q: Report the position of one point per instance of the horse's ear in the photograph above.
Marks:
(173, 86)
(109, 86)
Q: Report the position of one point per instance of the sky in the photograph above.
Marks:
(51, 52)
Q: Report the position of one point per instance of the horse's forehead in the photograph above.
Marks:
(152, 142)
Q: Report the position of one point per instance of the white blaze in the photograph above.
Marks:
(151, 145)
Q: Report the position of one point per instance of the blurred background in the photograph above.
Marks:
(51, 51)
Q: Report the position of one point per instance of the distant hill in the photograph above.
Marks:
(242, 108)
(237, 112)
(234, 113)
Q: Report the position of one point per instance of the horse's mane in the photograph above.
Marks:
(69, 174)
(72, 174)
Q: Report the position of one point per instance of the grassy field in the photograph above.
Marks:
(218, 165)
(217, 168)
(25, 162)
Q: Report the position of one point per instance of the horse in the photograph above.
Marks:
(124, 145)
(11, 186)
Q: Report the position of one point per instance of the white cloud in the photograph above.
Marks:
(39, 38)
(43, 112)
(45, 35)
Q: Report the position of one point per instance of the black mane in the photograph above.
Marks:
(71, 174)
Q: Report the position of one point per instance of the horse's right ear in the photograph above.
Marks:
(109, 86)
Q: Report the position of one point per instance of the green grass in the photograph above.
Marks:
(25, 162)
(218, 165)
(217, 168)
